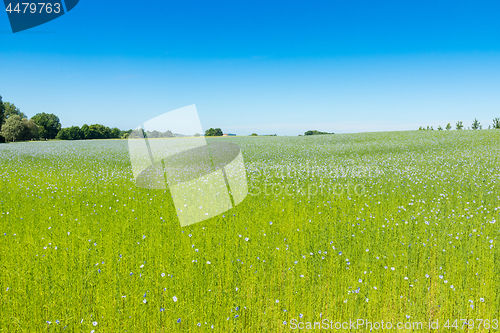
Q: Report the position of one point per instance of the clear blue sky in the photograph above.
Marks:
(261, 66)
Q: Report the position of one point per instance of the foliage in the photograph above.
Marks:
(315, 132)
(2, 116)
(254, 134)
(12, 110)
(49, 125)
(475, 124)
(448, 126)
(196, 134)
(213, 132)
(13, 128)
(70, 133)
(459, 125)
(156, 134)
(496, 123)
(440, 128)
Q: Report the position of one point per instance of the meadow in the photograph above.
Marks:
(394, 226)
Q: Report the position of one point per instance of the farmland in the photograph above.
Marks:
(395, 226)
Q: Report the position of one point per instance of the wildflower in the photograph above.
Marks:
(144, 301)
(179, 320)
(162, 309)
(174, 298)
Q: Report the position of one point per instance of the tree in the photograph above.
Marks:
(217, 132)
(30, 130)
(196, 134)
(70, 133)
(125, 135)
(475, 124)
(12, 110)
(209, 132)
(315, 132)
(85, 132)
(496, 122)
(459, 125)
(169, 134)
(254, 134)
(115, 133)
(49, 125)
(2, 116)
(448, 127)
(440, 128)
(13, 128)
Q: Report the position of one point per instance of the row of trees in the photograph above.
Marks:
(460, 126)
(15, 126)
(96, 131)
(213, 132)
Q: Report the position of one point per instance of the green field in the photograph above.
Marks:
(397, 226)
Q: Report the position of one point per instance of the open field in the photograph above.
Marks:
(399, 227)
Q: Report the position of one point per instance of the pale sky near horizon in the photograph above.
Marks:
(249, 66)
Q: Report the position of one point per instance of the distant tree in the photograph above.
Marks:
(153, 135)
(196, 134)
(49, 125)
(217, 132)
(475, 124)
(125, 135)
(75, 133)
(448, 127)
(254, 134)
(210, 132)
(98, 131)
(30, 130)
(169, 134)
(63, 134)
(496, 123)
(440, 128)
(12, 110)
(2, 118)
(85, 132)
(420, 128)
(315, 132)
(459, 125)
(115, 133)
(13, 128)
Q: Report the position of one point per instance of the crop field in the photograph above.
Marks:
(396, 226)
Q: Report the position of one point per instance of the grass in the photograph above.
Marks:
(85, 249)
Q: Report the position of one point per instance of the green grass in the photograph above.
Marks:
(73, 227)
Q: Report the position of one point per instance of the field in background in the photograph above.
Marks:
(399, 226)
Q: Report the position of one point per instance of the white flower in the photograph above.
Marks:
(174, 298)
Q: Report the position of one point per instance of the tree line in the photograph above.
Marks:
(476, 125)
(15, 126)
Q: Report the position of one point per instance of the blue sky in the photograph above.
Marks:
(253, 66)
